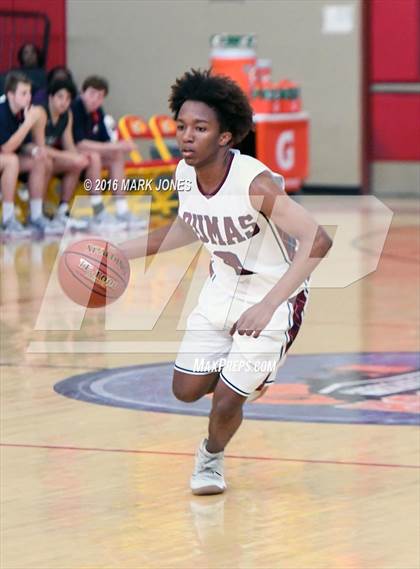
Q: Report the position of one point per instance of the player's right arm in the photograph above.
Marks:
(32, 115)
(171, 236)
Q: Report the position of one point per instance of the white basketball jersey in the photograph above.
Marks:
(241, 240)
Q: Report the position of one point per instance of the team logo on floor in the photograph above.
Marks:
(330, 388)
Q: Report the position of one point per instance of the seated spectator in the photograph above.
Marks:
(31, 61)
(90, 135)
(9, 171)
(58, 72)
(17, 120)
(66, 160)
(30, 56)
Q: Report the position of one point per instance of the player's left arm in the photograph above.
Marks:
(38, 130)
(38, 133)
(314, 243)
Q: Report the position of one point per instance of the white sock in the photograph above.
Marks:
(121, 205)
(207, 452)
(36, 208)
(63, 208)
(97, 204)
(8, 211)
(95, 200)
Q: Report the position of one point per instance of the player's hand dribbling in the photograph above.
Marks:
(253, 321)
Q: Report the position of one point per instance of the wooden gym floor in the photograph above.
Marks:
(87, 486)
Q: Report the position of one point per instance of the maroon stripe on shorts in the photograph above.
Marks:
(298, 309)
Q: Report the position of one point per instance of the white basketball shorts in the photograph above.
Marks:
(244, 362)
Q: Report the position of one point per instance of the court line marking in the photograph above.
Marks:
(191, 454)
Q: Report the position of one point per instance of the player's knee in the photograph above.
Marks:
(78, 164)
(185, 393)
(226, 408)
(95, 164)
(43, 163)
(39, 160)
(10, 161)
(95, 158)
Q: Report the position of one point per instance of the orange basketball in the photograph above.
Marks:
(93, 272)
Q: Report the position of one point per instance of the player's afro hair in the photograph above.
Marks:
(218, 92)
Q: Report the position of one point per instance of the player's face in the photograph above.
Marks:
(21, 98)
(198, 133)
(60, 101)
(93, 99)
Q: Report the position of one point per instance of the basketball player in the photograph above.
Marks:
(60, 146)
(21, 133)
(251, 306)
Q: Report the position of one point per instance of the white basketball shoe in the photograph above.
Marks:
(207, 477)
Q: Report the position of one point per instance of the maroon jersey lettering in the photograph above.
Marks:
(213, 230)
(245, 221)
(232, 260)
(204, 238)
(187, 217)
(232, 233)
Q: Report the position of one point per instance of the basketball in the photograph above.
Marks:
(93, 272)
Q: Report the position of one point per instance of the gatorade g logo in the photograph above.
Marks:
(285, 150)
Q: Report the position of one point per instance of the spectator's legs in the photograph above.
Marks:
(9, 170)
(115, 163)
(93, 174)
(40, 169)
(71, 165)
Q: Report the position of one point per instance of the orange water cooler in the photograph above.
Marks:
(235, 56)
(281, 128)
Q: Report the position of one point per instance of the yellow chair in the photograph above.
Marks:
(131, 127)
(163, 127)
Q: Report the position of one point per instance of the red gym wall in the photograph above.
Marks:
(394, 48)
(56, 11)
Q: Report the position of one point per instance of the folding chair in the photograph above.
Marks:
(133, 127)
(163, 127)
